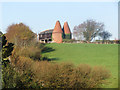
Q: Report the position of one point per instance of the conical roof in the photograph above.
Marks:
(57, 27)
(66, 28)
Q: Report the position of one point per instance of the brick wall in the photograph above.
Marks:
(57, 37)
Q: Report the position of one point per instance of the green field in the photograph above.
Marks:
(93, 54)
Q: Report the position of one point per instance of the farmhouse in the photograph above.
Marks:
(55, 35)
(46, 36)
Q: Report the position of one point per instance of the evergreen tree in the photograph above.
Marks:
(5, 49)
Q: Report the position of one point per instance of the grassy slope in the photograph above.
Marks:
(93, 54)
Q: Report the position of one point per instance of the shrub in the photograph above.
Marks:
(51, 75)
(19, 74)
(10, 78)
(67, 36)
(65, 75)
(44, 74)
(15, 78)
(33, 51)
(88, 77)
(69, 40)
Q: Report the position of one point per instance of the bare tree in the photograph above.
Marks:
(88, 29)
(78, 33)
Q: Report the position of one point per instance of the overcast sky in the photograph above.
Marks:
(40, 16)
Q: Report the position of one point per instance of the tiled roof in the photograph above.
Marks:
(66, 28)
(46, 31)
(57, 27)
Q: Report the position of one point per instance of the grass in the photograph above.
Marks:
(105, 55)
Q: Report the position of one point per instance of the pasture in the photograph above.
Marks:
(105, 55)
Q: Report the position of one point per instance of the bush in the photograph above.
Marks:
(109, 41)
(88, 77)
(14, 78)
(44, 74)
(65, 75)
(67, 36)
(54, 75)
(10, 77)
(69, 40)
(33, 51)
(19, 74)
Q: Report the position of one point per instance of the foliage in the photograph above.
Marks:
(67, 36)
(45, 74)
(88, 30)
(1, 33)
(11, 79)
(65, 75)
(117, 41)
(69, 40)
(63, 34)
(109, 41)
(33, 51)
(7, 49)
(105, 35)
(17, 78)
(20, 34)
(90, 77)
